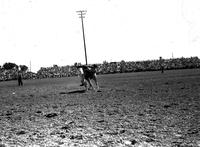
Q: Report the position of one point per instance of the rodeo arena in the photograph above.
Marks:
(152, 103)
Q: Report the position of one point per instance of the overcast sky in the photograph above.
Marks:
(48, 32)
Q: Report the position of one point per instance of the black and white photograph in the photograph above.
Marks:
(99, 73)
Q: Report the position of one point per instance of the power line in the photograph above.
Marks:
(81, 13)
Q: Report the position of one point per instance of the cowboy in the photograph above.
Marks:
(19, 78)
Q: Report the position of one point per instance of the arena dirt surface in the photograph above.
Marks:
(135, 109)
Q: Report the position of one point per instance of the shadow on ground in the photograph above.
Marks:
(76, 91)
(73, 92)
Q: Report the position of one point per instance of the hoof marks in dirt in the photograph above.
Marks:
(21, 133)
(77, 137)
(191, 132)
(8, 113)
(166, 106)
(140, 114)
(101, 121)
(50, 115)
(31, 95)
(170, 105)
(66, 128)
(133, 142)
(38, 112)
(122, 131)
(112, 133)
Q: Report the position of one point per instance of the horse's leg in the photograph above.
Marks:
(90, 84)
(86, 82)
(96, 82)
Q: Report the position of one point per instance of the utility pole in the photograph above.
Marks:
(30, 66)
(81, 13)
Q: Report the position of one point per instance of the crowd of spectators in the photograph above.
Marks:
(107, 68)
(52, 72)
(7, 75)
(149, 65)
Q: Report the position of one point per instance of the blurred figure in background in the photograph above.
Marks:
(161, 62)
(19, 78)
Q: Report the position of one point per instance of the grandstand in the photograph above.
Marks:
(106, 68)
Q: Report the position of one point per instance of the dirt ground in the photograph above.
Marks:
(143, 109)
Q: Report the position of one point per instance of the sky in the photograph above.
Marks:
(41, 33)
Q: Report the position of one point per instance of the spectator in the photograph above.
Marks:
(161, 64)
(19, 78)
